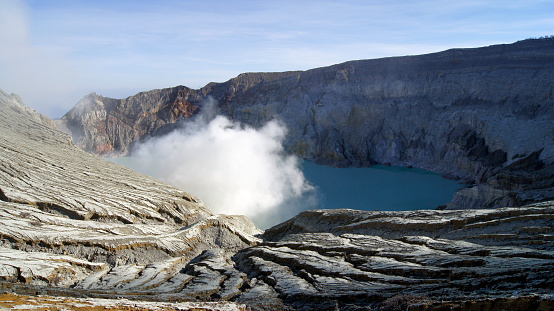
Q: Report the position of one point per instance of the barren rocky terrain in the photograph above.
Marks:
(74, 225)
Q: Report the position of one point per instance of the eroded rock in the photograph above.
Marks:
(72, 224)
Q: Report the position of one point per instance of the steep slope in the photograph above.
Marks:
(37, 162)
(14, 102)
(466, 113)
(68, 217)
(72, 224)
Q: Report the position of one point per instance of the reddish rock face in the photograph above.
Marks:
(108, 127)
(182, 109)
(104, 149)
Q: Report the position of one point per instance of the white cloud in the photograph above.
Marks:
(234, 168)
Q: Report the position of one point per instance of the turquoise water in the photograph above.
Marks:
(375, 188)
(379, 187)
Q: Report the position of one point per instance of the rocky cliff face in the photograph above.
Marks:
(75, 225)
(474, 106)
(14, 103)
(466, 113)
(459, 112)
(107, 126)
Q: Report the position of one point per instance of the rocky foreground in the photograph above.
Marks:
(75, 225)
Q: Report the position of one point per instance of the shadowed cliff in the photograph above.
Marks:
(466, 113)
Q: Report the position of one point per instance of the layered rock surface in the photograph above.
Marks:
(435, 254)
(15, 103)
(71, 219)
(466, 113)
(72, 224)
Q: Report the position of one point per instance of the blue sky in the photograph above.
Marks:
(54, 52)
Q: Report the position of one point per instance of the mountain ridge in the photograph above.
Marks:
(465, 113)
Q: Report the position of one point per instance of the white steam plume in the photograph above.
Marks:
(234, 168)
